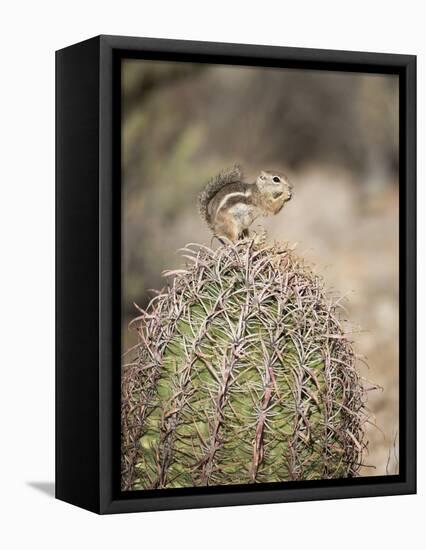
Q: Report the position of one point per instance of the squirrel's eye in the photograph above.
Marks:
(276, 179)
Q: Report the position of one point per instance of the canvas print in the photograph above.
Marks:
(260, 283)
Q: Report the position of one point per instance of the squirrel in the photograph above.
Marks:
(230, 206)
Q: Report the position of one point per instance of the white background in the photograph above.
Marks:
(30, 31)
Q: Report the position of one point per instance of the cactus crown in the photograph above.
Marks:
(242, 374)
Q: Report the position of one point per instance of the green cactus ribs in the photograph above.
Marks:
(242, 374)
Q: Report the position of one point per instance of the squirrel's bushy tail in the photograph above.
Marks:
(225, 177)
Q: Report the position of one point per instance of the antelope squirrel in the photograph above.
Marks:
(230, 206)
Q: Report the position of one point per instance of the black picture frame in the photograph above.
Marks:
(88, 273)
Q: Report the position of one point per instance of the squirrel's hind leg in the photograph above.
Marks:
(228, 229)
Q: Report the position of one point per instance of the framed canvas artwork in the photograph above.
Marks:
(235, 274)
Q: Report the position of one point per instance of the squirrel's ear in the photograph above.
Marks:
(262, 175)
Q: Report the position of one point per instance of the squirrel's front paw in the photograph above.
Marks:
(260, 236)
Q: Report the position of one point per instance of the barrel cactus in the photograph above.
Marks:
(242, 374)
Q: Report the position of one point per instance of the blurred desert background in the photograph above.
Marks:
(334, 134)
